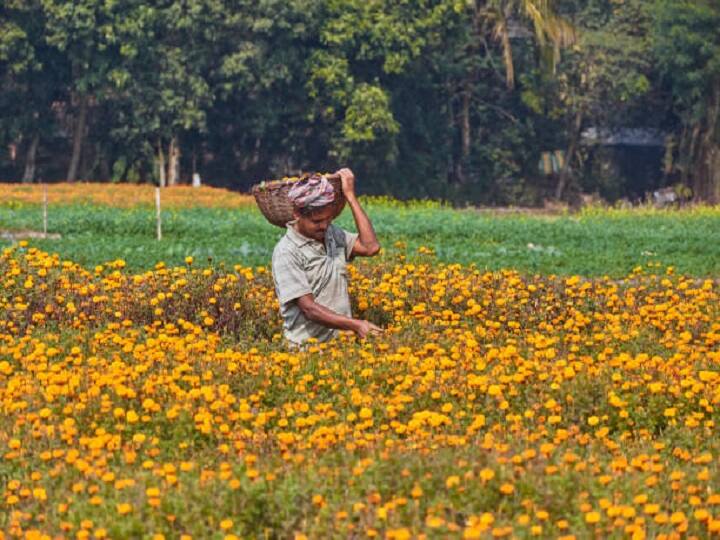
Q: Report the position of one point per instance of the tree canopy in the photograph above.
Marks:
(466, 100)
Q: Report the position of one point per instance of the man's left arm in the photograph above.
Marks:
(367, 244)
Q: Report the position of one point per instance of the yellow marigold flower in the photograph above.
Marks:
(677, 517)
(494, 390)
(507, 489)
(651, 508)
(399, 534)
(452, 481)
(487, 474)
(124, 508)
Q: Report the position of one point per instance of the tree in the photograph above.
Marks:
(600, 81)
(503, 18)
(365, 45)
(85, 32)
(31, 79)
(259, 124)
(686, 43)
(160, 88)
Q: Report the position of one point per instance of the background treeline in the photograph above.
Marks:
(441, 98)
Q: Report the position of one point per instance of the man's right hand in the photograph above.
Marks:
(347, 179)
(365, 328)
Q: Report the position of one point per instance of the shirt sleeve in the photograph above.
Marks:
(290, 279)
(350, 239)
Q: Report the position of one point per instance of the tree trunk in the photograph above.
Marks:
(87, 162)
(681, 163)
(142, 172)
(711, 149)
(30, 161)
(105, 169)
(125, 171)
(702, 154)
(256, 152)
(714, 172)
(465, 139)
(450, 141)
(694, 164)
(78, 136)
(572, 147)
(173, 162)
(161, 165)
(465, 125)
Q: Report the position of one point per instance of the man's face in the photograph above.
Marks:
(314, 224)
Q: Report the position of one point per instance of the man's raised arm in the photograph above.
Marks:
(367, 244)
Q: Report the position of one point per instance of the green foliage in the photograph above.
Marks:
(687, 46)
(32, 75)
(607, 242)
(443, 98)
(367, 118)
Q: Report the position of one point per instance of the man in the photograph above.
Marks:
(309, 263)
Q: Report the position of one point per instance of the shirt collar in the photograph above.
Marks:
(296, 238)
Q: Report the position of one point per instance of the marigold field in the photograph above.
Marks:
(122, 195)
(162, 403)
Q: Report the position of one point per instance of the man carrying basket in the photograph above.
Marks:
(309, 263)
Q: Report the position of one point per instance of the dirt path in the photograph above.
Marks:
(22, 235)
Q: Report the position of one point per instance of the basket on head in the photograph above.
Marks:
(272, 198)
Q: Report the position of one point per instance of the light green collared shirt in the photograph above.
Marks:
(301, 266)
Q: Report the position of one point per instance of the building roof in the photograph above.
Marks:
(623, 136)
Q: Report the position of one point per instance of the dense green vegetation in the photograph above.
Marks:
(454, 99)
(593, 243)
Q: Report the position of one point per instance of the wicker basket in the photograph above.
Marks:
(272, 199)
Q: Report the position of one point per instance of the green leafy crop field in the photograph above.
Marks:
(593, 243)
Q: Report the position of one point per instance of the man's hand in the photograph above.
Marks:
(327, 317)
(365, 328)
(347, 178)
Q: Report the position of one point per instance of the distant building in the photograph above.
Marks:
(623, 137)
(624, 161)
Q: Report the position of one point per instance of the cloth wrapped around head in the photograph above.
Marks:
(313, 192)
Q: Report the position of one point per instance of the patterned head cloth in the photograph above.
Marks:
(313, 192)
